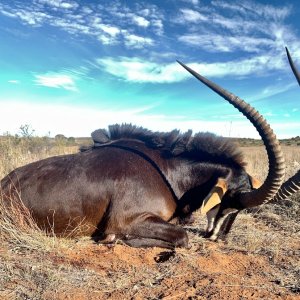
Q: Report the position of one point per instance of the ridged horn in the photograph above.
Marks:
(288, 188)
(276, 161)
(293, 67)
(292, 185)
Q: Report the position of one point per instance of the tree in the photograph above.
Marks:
(26, 131)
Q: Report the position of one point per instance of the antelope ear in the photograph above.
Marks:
(214, 197)
(255, 182)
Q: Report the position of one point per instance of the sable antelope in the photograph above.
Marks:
(133, 181)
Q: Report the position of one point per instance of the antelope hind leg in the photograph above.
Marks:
(151, 231)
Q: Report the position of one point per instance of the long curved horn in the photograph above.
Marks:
(292, 185)
(288, 188)
(276, 161)
(293, 67)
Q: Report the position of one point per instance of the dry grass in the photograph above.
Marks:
(257, 160)
(260, 259)
(20, 232)
(257, 167)
(16, 152)
(16, 222)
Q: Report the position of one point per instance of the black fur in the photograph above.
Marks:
(203, 146)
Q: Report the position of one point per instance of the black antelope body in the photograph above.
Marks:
(132, 183)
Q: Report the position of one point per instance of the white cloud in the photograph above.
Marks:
(135, 41)
(222, 43)
(159, 27)
(106, 39)
(31, 18)
(7, 13)
(135, 69)
(13, 81)
(250, 27)
(111, 30)
(245, 30)
(194, 2)
(141, 21)
(91, 20)
(276, 89)
(56, 81)
(70, 26)
(189, 15)
(138, 70)
(238, 25)
(255, 8)
(68, 5)
(59, 3)
(145, 12)
(86, 10)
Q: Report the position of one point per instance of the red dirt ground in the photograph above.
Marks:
(214, 275)
(207, 270)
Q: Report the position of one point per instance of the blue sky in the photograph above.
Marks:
(72, 66)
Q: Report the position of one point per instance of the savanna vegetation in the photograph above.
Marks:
(260, 259)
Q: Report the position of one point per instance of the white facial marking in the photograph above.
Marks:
(211, 215)
(219, 223)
